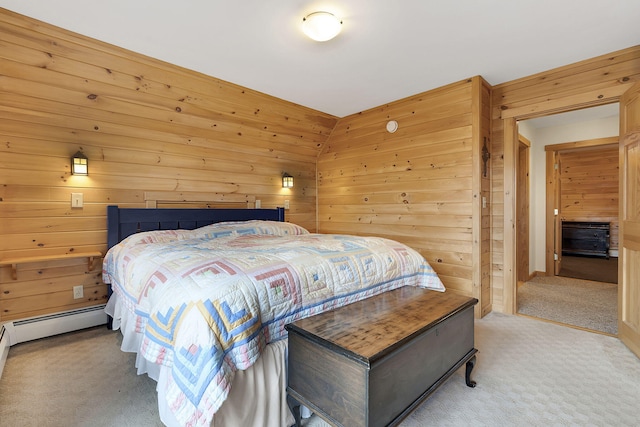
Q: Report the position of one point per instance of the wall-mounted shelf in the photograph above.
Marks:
(13, 262)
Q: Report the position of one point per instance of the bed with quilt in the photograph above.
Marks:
(204, 307)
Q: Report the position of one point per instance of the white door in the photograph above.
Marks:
(629, 254)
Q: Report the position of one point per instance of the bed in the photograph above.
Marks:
(202, 297)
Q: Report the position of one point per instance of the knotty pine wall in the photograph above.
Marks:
(145, 125)
(148, 125)
(421, 185)
(589, 186)
(597, 81)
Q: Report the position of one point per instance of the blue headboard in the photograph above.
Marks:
(123, 222)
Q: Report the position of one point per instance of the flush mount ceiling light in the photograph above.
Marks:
(321, 26)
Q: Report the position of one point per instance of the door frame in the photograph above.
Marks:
(553, 224)
(510, 153)
(553, 244)
(523, 225)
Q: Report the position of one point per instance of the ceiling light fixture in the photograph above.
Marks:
(321, 26)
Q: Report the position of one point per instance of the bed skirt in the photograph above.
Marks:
(258, 395)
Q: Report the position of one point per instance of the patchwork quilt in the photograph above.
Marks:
(208, 301)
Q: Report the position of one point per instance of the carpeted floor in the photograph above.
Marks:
(590, 268)
(582, 303)
(528, 373)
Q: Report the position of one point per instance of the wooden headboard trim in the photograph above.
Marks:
(152, 198)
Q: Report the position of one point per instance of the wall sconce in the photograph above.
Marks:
(79, 164)
(321, 26)
(287, 181)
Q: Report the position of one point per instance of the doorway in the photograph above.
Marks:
(582, 192)
(543, 226)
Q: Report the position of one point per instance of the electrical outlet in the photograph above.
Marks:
(78, 292)
(258, 204)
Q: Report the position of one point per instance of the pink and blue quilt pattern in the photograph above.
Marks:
(208, 301)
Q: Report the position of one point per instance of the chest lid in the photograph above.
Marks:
(369, 329)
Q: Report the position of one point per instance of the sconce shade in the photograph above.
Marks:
(321, 26)
(79, 164)
(287, 181)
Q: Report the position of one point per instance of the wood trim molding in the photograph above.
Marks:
(510, 206)
(152, 198)
(597, 142)
(551, 220)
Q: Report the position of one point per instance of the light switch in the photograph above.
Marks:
(286, 204)
(77, 200)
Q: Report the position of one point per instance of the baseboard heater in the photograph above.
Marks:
(18, 331)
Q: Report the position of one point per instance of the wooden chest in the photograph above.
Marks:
(585, 238)
(372, 362)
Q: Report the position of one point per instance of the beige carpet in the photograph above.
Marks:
(528, 372)
(583, 303)
(76, 379)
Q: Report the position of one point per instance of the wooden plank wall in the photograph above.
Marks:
(592, 82)
(145, 125)
(419, 185)
(589, 186)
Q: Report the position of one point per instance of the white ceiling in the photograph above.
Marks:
(387, 50)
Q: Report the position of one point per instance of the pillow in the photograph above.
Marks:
(214, 231)
(230, 228)
(157, 236)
